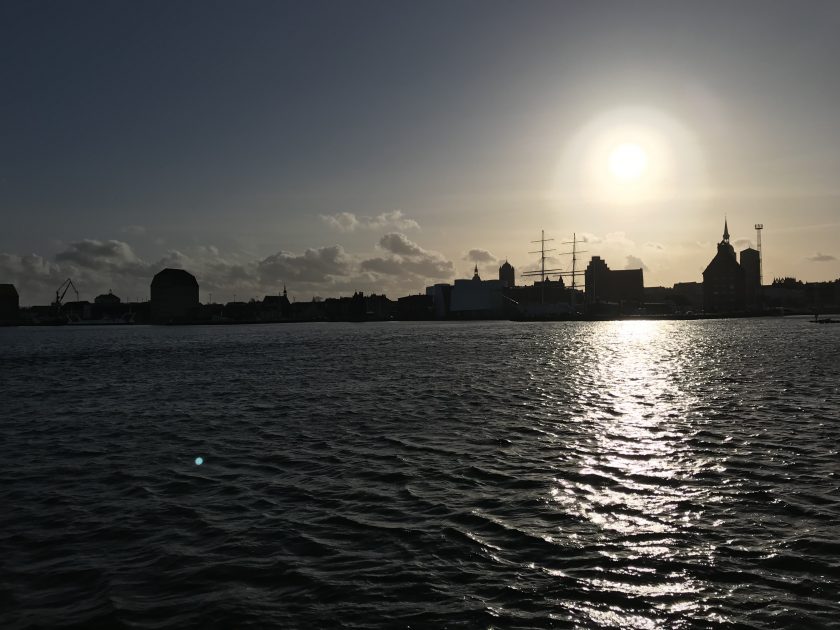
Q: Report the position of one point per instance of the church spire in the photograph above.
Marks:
(476, 276)
(725, 231)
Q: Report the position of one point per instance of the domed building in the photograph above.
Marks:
(507, 275)
(174, 294)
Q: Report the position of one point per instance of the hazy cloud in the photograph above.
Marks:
(818, 257)
(618, 238)
(343, 221)
(634, 262)
(612, 238)
(480, 256)
(587, 237)
(654, 245)
(133, 230)
(349, 222)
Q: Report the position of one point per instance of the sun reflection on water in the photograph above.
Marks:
(633, 479)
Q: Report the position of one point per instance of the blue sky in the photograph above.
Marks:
(237, 139)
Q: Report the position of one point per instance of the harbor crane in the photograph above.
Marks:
(62, 291)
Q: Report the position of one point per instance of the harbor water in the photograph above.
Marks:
(673, 474)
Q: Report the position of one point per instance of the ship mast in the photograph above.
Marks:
(541, 273)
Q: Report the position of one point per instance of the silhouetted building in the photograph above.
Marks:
(823, 297)
(476, 298)
(548, 292)
(723, 280)
(689, 294)
(276, 306)
(378, 307)
(441, 295)
(619, 286)
(107, 299)
(9, 305)
(174, 294)
(507, 275)
(751, 266)
(786, 293)
(415, 307)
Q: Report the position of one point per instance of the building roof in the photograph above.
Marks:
(108, 298)
(8, 290)
(723, 262)
(174, 277)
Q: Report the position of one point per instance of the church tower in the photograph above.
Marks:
(725, 246)
(723, 279)
(507, 275)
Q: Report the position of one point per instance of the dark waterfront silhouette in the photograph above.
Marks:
(728, 289)
(465, 474)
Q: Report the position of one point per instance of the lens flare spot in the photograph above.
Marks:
(199, 461)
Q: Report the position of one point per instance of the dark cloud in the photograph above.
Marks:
(426, 267)
(385, 266)
(408, 260)
(818, 257)
(313, 266)
(480, 256)
(95, 254)
(399, 244)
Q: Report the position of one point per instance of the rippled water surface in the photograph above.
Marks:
(470, 475)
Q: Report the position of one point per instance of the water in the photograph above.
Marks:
(470, 475)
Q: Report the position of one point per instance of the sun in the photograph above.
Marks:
(628, 162)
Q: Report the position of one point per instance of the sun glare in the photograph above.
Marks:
(628, 162)
(630, 155)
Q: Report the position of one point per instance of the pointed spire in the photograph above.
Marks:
(476, 276)
(725, 230)
(284, 289)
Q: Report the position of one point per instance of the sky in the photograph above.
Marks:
(384, 146)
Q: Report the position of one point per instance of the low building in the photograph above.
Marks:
(107, 299)
(688, 295)
(415, 307)
(617, 286)
(174, 294)
(9, 305)
(541, 292)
